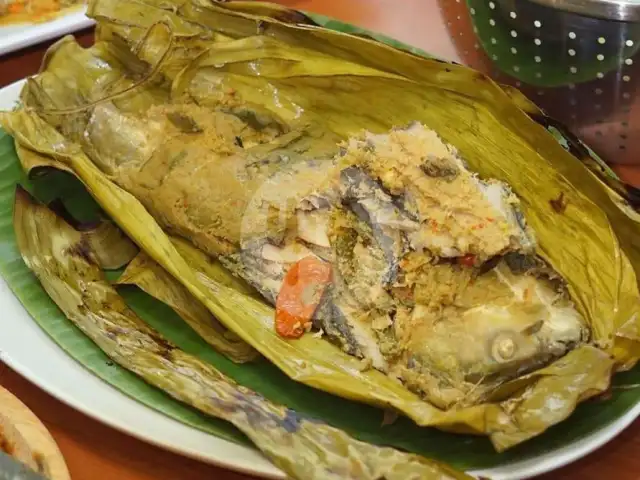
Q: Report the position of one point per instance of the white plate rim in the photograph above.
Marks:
(18, 36)
(30, 352)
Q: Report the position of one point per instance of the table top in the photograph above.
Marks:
(96, 452)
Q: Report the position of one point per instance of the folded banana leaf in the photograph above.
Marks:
(114, 250)
(152, 279)
(63, 260)
(367, 53)
(105, 10)
(626, 196)
(86, 111)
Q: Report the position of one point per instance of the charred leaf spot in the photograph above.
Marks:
(293, 16)
(256, 415)
(480, 77)
(81, 249)
(559, 204)
(448, 70)
(291, 421)
(165, 346)
(111, 332)
(239, 142)
(109, 363)
(261, 27)
(166, 354)
(580, 151)
(183, 123)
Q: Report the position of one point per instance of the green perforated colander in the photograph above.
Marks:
(576, 59)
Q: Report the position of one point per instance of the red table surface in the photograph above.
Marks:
(96, 452)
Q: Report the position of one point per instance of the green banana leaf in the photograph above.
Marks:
(155, 281)
(422, 436)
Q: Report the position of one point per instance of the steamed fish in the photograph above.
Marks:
(434, 275)
(387, 244)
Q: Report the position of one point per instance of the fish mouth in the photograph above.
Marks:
(435, 280)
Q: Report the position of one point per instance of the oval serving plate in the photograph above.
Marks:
(25, 347)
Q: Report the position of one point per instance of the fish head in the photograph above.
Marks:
(500, 338)
(515, 339)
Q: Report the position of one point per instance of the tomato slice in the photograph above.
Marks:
(468, 260)
(300, 295)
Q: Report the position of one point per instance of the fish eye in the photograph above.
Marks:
(504, 347)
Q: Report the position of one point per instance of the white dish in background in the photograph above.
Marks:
(29, 351)
(20, 35)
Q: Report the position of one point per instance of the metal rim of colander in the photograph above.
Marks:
(625, 11)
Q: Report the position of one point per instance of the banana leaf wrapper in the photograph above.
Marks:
(114, 250)
(629, 196)
(62, 259)
(626, 197)
(361, 53)
(155, 281)
(496, 137)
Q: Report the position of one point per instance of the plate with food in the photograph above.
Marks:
(27, 22)
(259, 228)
